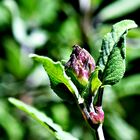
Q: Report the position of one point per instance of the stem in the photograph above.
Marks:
(99, 97)
(99, 133)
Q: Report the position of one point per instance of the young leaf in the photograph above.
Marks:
(60, 82)
(113, 51)
(45, 121)
(95, 82)
(93, 85)
(115, 66)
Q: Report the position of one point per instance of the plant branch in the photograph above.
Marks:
(98, 102)
(99, 133)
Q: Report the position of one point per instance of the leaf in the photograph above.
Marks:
(95, 82)
(92, 87)
(60, 82)
(123, 87)
(113, 52)
(9, 123)
(41, 118)
(36, 38)
(4, 16)
(115, 66)
(119, 128)
(116, 9)
(17, 62)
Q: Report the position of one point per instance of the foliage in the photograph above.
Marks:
(113, 52)
(43, 120)
(60, 82)
(50, 28)
(111, 63)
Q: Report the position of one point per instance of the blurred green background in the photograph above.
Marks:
(51, 28)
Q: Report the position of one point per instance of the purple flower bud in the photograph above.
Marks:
(80, 65)
(97, 117)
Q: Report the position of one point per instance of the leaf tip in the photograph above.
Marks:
(132, 23)
(11, 99)
(126, 23)
(32, 55)
(35, 57)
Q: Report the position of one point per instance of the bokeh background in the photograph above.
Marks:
(51, 28)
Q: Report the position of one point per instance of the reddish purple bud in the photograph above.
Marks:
(97, 117)
(80, 65)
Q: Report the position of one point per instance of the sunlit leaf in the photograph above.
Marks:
(60, 82)
(113, 52)
(4, 16)
(95, 82)
(41, 118)
(118, 9)
(36, 38)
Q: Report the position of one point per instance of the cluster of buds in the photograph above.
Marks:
(79, 67)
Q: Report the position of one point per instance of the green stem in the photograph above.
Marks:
(99, 99)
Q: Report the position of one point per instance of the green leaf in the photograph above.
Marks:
(119, 128)
(4, 16)
(60, 82)
(93, 85)
(95, 82)
(123, 87)
(17, 62)
(116, 9)
(45, 121)
(115, 66)
(113, 52)
(9, 123)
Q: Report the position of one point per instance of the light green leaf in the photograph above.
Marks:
(17, 62)
(36, 38)
(123, 87)
(45, 121)
(60, 82)
(93, 85)
(9, 123)
(4, 16)
(113, 52)
(95, 82)
(118, 9)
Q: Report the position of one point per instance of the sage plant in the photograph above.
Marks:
(82, 81)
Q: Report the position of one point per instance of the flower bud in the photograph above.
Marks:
(80, 66)
(97, 117)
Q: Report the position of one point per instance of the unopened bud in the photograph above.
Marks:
(97, 117)
(80, 66)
